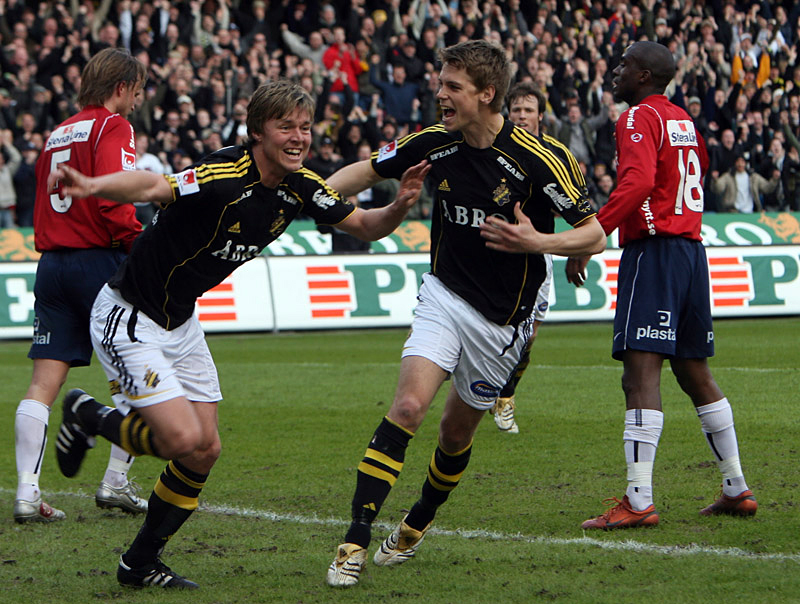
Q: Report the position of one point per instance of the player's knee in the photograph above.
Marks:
(180, 442)
(204, 458)
(629, 386)
(408, 411)
(453, 442)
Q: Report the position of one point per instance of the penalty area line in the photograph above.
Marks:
(628, 545)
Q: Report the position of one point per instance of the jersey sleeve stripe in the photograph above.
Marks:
(409, 137)
(577, 173)
(552, 161)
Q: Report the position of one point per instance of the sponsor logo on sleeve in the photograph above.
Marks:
(187, 182)
(387, 151)
(322, 200)
(560, 199)
(128, 160)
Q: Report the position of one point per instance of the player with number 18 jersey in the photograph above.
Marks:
(655, 141)
(663, 297)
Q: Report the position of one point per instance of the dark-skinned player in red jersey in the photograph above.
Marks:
(663, 304)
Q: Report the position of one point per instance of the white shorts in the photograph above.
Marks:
(479, 354)
(145, 363)
(543, 295)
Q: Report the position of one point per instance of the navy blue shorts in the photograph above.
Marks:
(663, 302)
(67, 283)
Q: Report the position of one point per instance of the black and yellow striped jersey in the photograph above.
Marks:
(470, 184)
(221, 216)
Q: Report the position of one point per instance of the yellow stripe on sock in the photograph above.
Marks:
(384, 459)
(394, 423)
(124, 434)
(182, 477)
(376, 473)
(437, 484)
(170, 496)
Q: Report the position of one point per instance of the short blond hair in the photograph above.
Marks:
(485, 63)
(104, 71)
(274, 100)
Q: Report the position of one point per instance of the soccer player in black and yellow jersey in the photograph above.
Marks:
(214, 216)
(526, 108)
(496, 189)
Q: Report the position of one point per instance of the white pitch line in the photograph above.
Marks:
(616, 368)
(627, 545)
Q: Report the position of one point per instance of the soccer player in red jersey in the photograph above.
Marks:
(81, 245)
(663, 308)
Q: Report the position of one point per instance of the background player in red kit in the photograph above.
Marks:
(663, 309)
(82, 244)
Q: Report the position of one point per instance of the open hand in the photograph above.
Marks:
(411, 184)
(517, 238)
(68, 182)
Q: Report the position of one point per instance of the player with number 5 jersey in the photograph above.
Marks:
(663, 304)
(82, 245)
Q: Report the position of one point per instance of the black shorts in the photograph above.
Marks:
(67, 282)
(663, 302)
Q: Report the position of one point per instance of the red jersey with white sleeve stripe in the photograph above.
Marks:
(94, 142)
(661, 161)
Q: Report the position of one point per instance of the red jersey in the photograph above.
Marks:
(661, 161)
(94, 142)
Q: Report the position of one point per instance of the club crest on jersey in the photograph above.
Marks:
(187, 182)
(501, 195)
(387, 151)
(278, 225)
(681, 133)
(128, 160)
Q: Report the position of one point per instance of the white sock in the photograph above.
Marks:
(642, 432)
(716, 419)
(30, 429)
(119, 462)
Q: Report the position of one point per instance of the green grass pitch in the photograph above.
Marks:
(299, 410)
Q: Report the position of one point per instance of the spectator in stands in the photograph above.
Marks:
(150, 162)
(771, 164)
(578, 133)
(25, 184)
(604, 186)
(741, 189)
(10, 161)
(398, 95)
(341, 60)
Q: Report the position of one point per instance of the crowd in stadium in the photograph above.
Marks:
(372, 67)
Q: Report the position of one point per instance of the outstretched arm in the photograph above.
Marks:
(354, 178)
(522, 237)
(123, 187)
(371, 225)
